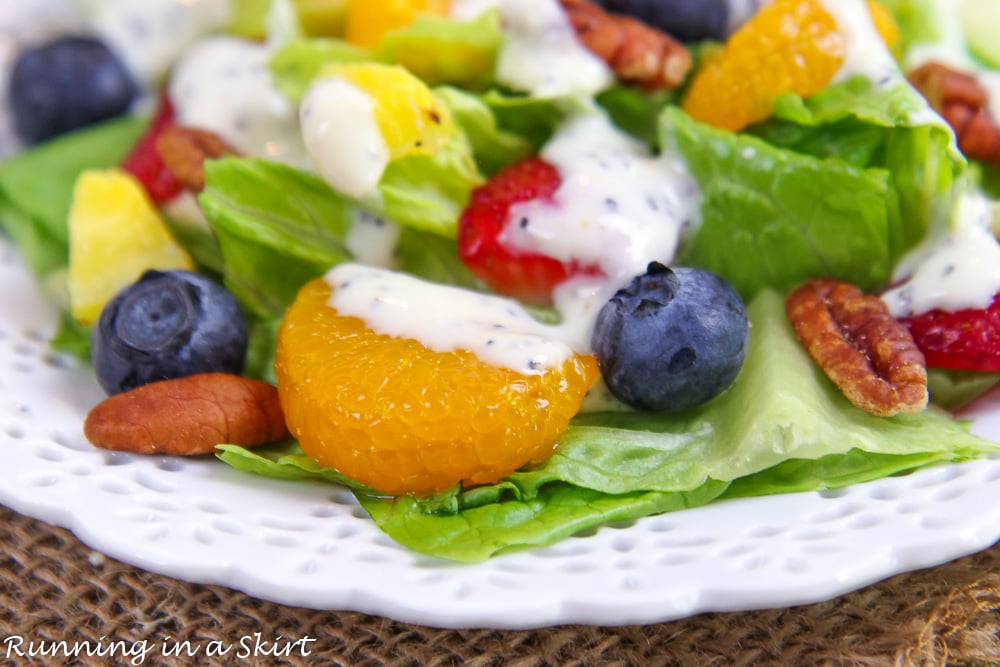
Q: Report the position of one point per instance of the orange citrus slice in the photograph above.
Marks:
(401, 418)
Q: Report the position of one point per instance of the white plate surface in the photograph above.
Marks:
(311, 545)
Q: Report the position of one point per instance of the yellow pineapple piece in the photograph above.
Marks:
(368, 20)
(409, 117)
(115, 234)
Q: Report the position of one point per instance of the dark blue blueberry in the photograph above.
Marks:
(66, 84)
(672, 339)
(167, 325)
(687, 20)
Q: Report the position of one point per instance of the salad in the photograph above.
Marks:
(435, 230)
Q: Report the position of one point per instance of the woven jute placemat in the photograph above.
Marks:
(55, 589)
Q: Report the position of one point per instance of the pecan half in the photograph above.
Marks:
(188, 416)
(868, 354)
(184, 151)
(963, 103)
(637, 52)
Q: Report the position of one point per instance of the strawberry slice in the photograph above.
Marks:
(144, 162)
(967, 339)
(528, 276)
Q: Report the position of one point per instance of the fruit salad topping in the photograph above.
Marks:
(672, 339)
(380, 406)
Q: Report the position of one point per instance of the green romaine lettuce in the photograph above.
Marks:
(772, 217)
(279, 227)
(901, 134)
(446, 51)
(36, 187)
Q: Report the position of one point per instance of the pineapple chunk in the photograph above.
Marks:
(115, 234)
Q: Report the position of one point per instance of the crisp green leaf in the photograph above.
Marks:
(429, 192)
(774, 218)
(36, 186)
(556, 513)
(446, 51)
(296, 64)
(492, 147)
(278, 227)
(890, 127)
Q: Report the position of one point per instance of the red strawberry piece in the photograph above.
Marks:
(967, 339)
(528, 276)
(144, 162)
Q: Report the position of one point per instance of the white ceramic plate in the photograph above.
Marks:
(311, 545)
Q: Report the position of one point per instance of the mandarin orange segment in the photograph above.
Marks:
(401, 418)
(789, 46)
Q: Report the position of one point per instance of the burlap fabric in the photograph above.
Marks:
(56, 589)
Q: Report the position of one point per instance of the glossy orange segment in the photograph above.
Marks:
(789, 46)
(401, 418)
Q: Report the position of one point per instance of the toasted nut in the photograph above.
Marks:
(962, 101)
(637, 53)
(188, 416)
(869, 355)
(184, 151)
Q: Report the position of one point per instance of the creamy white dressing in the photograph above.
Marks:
(372, 239)
(865, 52)
(618, 208)
(342, 136)
(542, 54)
(149, 35)
(223, 84)
(445, 318)
(958, 269)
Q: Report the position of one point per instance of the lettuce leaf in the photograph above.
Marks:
(438, 50)
(36, 187)
(782, 427)
(492, 147)
(279, 227)
(772, 217)
(446, 51)
(917, 21)
(902, 135)
(295, 65)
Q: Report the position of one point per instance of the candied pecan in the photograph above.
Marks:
(869, 355)
(637, 52)
(963, 103)
(188, 416)
(184, 151)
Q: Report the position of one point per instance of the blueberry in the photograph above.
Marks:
(687, 20)
(166, 325)
(672, 339)
(66, 84)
